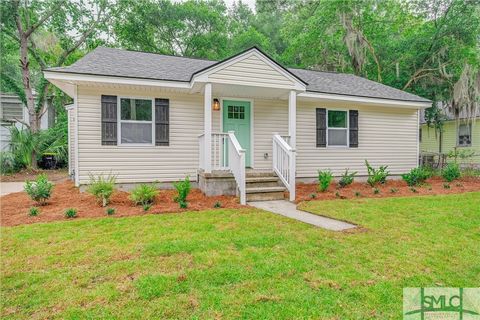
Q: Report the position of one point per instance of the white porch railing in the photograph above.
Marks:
(284, 163)
(227, 154)
(236, 163)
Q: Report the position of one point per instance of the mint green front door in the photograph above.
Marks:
(236, 117)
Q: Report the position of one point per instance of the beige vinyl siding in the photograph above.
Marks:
(430, 141)
(387, 136)
(270, 116)
(71, 141)
(251, 71)
(140, 163)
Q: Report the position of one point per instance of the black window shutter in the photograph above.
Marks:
(321, 114)
(162, 122)
(353, 121)
(109, 120)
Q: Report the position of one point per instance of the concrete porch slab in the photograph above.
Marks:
(289, 210)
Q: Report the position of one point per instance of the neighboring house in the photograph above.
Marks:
(149, 117)
(13, 112)
(462, 135)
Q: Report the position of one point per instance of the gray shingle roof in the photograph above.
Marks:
(133, 64)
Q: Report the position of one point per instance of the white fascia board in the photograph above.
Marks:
(364, 100)
(69, 106)
(203, 76)
(76, 77)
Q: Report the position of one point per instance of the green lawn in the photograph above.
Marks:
(241, 263)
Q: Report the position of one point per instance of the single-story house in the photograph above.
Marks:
(14, 113)
(150, 117)
(460, 133)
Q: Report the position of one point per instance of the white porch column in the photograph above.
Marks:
(292, 118)
(208, 127)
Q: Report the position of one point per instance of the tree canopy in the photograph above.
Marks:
(427, 47)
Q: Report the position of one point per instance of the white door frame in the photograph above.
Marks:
(252, 143)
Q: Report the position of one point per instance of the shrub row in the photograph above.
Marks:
(376, 176)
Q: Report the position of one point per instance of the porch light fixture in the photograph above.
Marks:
(216, 104)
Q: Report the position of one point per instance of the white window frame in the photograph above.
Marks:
(120, 121)
(470, 129)
(347, 129)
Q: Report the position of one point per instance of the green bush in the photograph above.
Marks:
(376, 176)
(71, 213)
(39, 190)
(110, 211)
(217, 205)
(357, 194)
(144, 194)
(446, 186)
(33, 212)
(346, 179)
(8, 163)
(183, 189)
(102, 188)
(376, 190)
(451, 172)
(146, 206)
(313, 195)
(416, 176)
(324, 179)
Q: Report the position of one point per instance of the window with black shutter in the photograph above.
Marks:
(321, 117)
(109, 120)
(162, 122)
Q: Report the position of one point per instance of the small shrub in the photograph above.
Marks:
(413, 189)
(144, 194)
(470, 172)
(110, 211)
(183, 189)
(71, 213)
(376, 190)
(376, 176)
(217, 205)
(102, 188)
(357, 194)
(416, 176)
(324, 180)
(313, 195)
(451, 172)
(146, 206)
(346, 179)
(458, 185)
(393, 190)
(446, 186)
(33, 212)
(40, 190)
(8, 163)
(337, 194)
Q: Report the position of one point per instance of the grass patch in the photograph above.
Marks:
(241, 263)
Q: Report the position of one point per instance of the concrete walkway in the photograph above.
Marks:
(289, 210)
(10, 187)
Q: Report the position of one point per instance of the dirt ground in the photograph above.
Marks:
(14, 207)
(392, 188)
(53, 175)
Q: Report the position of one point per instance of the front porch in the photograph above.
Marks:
(229, 158)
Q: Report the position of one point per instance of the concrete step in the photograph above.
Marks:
(260, 182)
(265, 193)
(257, 173)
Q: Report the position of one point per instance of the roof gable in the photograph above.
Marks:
(253, 68)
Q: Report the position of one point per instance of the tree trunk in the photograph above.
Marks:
(33, 117)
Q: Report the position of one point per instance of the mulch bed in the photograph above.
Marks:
(14, 207)
(432, 186)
